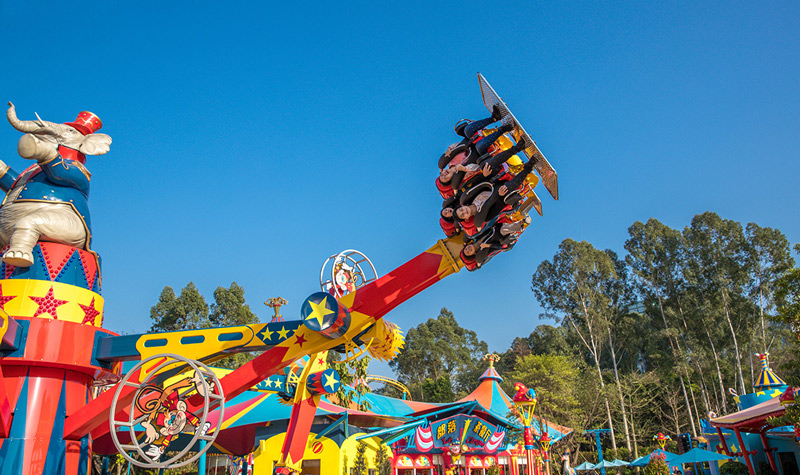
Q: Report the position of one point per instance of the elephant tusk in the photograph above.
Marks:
(39, 120)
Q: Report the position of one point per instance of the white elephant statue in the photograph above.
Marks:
(49, 200)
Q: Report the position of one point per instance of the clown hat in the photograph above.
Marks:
(86, 123)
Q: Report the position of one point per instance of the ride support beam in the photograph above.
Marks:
(769, 450)
(367, 305)
(745, 452)
(723, 442)
(95, 414)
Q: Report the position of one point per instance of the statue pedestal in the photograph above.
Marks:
(51, 373)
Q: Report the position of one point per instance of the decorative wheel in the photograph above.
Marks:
(173, 396)
(347, 271)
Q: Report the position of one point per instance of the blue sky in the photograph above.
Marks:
(252, 142)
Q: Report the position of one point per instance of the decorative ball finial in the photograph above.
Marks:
(492, 358)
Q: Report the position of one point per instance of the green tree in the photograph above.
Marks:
(438, 390)
(439, 348)
(353, 376)
(787, 295)
(382, 461)
(656, 256)
(229, 308)
(768, 258)
(555, 380)
(717, 252)
(360, 462)
(188, 311)
(572, 288)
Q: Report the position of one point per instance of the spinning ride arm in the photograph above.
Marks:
(367, 306)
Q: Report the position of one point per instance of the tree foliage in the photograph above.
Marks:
(436, 349)
(382, 461)
(190, 311)
(360, 462)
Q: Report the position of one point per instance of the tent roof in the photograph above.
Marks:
(698, 455)
(620, 463)
(752, 419)
(585, 466)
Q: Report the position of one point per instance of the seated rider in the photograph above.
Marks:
(447, 221)
(467, 129)
(479, 151)
(445, 178)
(501, 237)
(492, 165)
(485, 202)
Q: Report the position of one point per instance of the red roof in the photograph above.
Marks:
(752, 419)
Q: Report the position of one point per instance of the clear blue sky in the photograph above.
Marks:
(252, 142)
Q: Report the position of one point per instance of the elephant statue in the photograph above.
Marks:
(49, 200)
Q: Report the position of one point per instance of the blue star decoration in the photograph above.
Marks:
(319, 311)
(330, 380)
(274, 333)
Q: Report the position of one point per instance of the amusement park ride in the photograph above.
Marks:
(62, 383)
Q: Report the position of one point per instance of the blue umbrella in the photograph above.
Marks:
(697, 456)
(620, 463)
(645, 459)
(605, 464)
(585, 466)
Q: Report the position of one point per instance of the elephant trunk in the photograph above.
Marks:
(24, 126)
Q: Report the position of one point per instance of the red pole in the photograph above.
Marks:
(744, 452)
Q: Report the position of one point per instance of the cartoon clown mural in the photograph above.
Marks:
(167, 414)
(345, 277)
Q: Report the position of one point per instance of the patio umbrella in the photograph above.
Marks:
(605, 464)
(697, 456)
(620, 463)
(585, 466)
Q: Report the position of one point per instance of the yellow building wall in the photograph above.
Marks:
(329, 454)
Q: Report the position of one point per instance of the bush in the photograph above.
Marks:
(733, 468)
(764, 468)
(657, 466)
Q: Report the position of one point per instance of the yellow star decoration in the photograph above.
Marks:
(283, 333)
(760, 393)
(776, 392)
(736, 398)
(268, 383)
(733, 448)
(267, 333)
(330, 380)
(320, 311)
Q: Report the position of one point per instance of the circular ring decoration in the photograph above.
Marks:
(160, 411)
(348, 271)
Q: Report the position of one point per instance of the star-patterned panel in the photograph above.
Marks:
(54, 300)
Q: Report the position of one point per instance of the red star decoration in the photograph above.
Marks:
(300, 340)
(48, 304)
(321, 361)
(90, 313)
(4, 299)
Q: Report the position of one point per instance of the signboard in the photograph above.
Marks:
(471, 431)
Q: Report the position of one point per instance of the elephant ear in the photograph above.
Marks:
(95, 144)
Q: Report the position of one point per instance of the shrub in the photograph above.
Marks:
(733, 468)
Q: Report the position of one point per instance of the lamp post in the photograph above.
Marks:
(275, 303)
(525, 402)
(544, 443)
